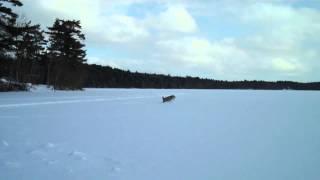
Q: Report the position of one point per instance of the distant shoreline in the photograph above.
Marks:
(107, 77)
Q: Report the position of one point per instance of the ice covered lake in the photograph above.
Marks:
(119, 134)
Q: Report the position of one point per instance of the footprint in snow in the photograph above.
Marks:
(5, 143)
(50, 145)
(12, 164)
(78, 155)
(45, 147)
(116, 169)
(51, 162)
(38, 152)
(113, 166)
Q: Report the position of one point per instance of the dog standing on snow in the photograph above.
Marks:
(168, 98)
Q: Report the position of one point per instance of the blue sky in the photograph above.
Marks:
(219, 39)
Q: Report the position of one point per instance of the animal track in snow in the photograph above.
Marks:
(12, 164)
(78, 155)
(5, 143)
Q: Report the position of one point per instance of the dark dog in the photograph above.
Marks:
(168, 98)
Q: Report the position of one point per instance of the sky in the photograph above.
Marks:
(217, 39)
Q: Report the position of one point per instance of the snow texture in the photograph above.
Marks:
(129, 134)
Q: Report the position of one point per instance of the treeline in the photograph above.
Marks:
(56, 57)
(101, 76)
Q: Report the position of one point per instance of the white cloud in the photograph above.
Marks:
(217, 57)
(176, 18)
(286, 66)
(284, 22)
(121, 29)
(103, 62)
(98, 18)
(120, 63)
(86, 11)
(277, 41)
(108, 21)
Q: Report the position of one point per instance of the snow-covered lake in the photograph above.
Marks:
(119, 134)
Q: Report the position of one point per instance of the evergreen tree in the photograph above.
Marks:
(66, 54)
(7, 34)
(29, 50)
(7, 21)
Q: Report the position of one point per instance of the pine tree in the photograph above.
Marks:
(29, 49)
(66, 55)
(7, 33)
(7, 21)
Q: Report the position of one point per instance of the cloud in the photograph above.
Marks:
(103, 62)
(283, 44)
(109, 20)
(286, 66)
(214, 58)
(97, 24)
(290, 23)
(121, 29)
(175, 18)
(287, 35)
(123, 63)
(86, 11)
(227, 39)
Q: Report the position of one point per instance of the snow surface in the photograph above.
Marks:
(128, 134)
